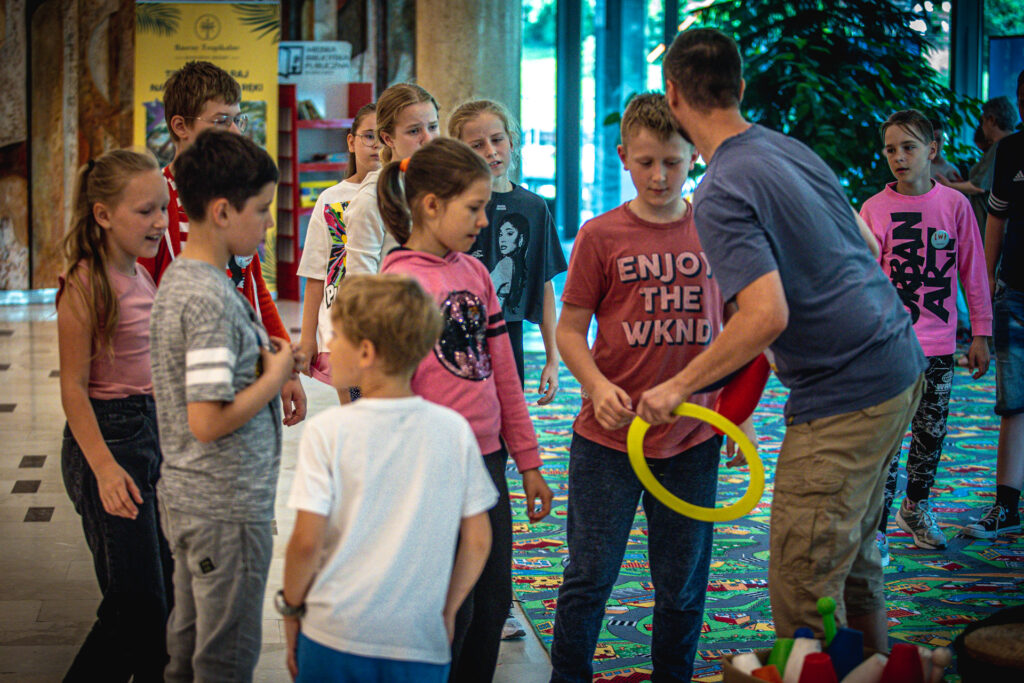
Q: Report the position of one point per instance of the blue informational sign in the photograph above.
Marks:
(1005, 61)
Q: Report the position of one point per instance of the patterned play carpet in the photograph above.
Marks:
(931, 594)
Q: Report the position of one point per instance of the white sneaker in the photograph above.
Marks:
(512, 629)
(917, 520)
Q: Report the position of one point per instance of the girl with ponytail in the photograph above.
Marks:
(434, 205)
(110, 457)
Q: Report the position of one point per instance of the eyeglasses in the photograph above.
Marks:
(225, 121)
(369, 139)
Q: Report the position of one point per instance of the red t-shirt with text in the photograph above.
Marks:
(657, 306)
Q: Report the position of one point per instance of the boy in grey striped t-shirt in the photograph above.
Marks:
(217, 379)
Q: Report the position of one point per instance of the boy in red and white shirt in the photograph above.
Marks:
(198, 96)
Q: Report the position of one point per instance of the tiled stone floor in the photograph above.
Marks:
(48, 592)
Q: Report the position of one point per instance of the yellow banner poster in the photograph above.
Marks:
(241, 38)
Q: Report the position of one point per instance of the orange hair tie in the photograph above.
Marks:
(403, 165)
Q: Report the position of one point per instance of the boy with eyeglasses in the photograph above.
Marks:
(197, 97)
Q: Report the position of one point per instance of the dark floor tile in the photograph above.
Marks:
(6, 333)
(295, 330)
(39, 514)
(32, 461)
(7, 407)
(5, 366)
(26, 486)
(54, 373)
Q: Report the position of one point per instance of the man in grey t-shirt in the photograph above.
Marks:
(788, 249)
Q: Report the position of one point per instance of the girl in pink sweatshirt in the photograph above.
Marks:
(433, 204)
(928, 237)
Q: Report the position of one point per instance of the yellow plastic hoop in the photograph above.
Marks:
(635, 448)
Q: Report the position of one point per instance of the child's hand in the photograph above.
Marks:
(548, 384)
(735, 455)
(291, 634)
(279, 363)
(535, 487)
(117, 490)
(612, 406)
(978, 357)
(305, 351)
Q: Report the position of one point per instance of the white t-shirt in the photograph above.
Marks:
(394, 477)
(324, 252)
(368, 241)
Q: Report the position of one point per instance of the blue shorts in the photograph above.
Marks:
(1008, 337)
(321, 664)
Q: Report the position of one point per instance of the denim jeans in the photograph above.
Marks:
(603, 496)
(478, 622)
(220, 575)
(131, 558)
(321, 664)
(1008, 338)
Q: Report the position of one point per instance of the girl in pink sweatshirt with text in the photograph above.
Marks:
(433, 204)
(928, 237)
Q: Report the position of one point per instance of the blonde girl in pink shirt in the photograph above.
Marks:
(929, 238)
(110, 456)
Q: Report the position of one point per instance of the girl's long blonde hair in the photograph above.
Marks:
(102, 181)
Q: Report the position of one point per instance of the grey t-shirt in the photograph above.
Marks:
(768, 203)
(205, 346)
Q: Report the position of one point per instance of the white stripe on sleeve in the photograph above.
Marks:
(207, 376)
(219, 356)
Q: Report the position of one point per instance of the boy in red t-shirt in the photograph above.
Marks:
(640, 270)
(198, 96)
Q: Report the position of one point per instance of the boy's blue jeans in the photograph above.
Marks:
(603, 496)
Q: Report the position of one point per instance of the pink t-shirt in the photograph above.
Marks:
(128, 371)
(657, 306)
(471, 369)
(926, 242)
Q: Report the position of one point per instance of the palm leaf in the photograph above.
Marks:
(263, 18)
(157, 17)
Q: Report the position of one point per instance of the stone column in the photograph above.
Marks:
(468, 49)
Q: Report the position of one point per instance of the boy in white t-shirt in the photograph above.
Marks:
(384, 488)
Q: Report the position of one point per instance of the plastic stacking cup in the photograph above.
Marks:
(818, 669)
(846, 651)
(904, 665)
(767, 673)
(780, 653)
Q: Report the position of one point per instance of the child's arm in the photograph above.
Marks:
(612, 405)
(868, 236)
(293, 397)
(117, 490)
(311, 299)
(210, 420)
(299, 568)
(474, 547)
(516, 425)
(548, 376)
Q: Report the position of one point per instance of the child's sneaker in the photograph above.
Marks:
(512, 629)
(997, 519)
(916, 519)
(882, 541)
